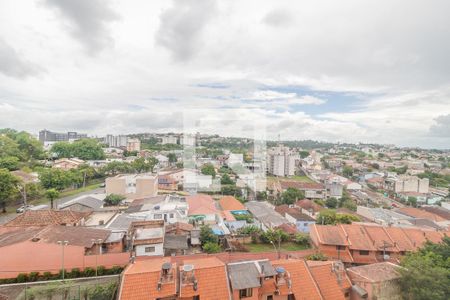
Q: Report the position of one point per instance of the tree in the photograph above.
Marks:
(8, 187)
(172, 158)
(426, 273)
(347, 171)
(291, 195)
(208, 169)
(55, 178)
(87, 149)
(331, 202)
(226, 179)
(51, 195)
(211, 247)
(274, 236)
(302, 239)
(207, 235)
(304, 153)
(330, 217)
(9, 162)
(412, 201)
(113, 199)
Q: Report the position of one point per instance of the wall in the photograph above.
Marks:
(41, 257)
(115, 186)
(140, 250)
(302, 227)
(146, 187)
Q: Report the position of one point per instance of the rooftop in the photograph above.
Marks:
(231, 203)
(377, 272)
(47, 217)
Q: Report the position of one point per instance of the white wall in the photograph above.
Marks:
(140, 250)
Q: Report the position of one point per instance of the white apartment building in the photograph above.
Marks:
(403, 184)
(116, 141)
(281, 161)
(133, 145)
(132, 185)
(169, 139)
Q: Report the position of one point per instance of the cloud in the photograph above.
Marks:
(442, 127)
(181, 27)
(278, 18)
(88, 21)
(286, 98)
(14, 64)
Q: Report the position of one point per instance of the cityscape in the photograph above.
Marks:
(224, 150)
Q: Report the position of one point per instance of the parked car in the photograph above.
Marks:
(23, 208)
(102, 185)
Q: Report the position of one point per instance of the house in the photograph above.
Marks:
(331, 279)
(167, 183)
(295, 216)
(365, 243)
(87, 203)
(177, 237)
(67, 163)
(132, 185)
(202, 208)
(147, 238)
(170, 208)
(48, 217)
(265, 215)
(230, 203)
(308, 207)
(313, 190)
(133, 145)
(375, 281)
(38, 249)
(203, 278)
(419, 213)
(163, 161)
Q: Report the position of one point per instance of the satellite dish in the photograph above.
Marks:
(188, 268)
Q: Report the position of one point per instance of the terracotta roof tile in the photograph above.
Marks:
(231, 203)
(47, 217)
(301, 185)
(327, 280)
(331, 234)
(201, 205)
(358, 237)
(418, 213)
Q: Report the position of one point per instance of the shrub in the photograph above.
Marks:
(47, 276)
(113, 199)
(116, 270)
(211, 247)
(273, 236)
(317, 256)
(207, 235)
(22, 277)
(33, 276)
(101, 270)
(74, 273)
(302, 239)
(89, 272)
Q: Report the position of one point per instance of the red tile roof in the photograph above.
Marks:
(358, 237)
(327, 280)
(377, 272)
(201, 205)
(47, 217)
(308, 205)
(301, 185)
(140, 281)
(331, 235)
(231, 203)
(418, 213)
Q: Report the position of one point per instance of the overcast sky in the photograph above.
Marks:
(369, 71)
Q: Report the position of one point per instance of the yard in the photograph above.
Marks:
(287, 246)
(300, 178)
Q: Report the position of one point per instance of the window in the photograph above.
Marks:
(157, 216)
(363, 252)
(270, 297)
(149, 249)
(244, 293)
(291, 297)
(305, 224)
(339, 247)
(171, 216)
(196, 297)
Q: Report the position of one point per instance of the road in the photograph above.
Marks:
(7, 217)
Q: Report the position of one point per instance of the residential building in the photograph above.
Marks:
(313, 190)
(163, 161)
(86, 203)
(266, 216)
(295, 216)
(47, 217)
(166, 182)
(132, 185)
(169, 208)
(67, 163)
(48, 137)
(308, 207)
(403, 183)
(281, 161)
(116, 141)
(235, 159)
(202, 208)
(169, 139)
(36, 249)
(133, 145)
(375, 281)
(147, 238)
(364, 243)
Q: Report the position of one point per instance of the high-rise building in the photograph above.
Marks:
(133, 145)
(281, 161)
(47, 136)
(117, 141)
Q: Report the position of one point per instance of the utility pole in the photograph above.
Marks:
(99, 251)
(62, 243)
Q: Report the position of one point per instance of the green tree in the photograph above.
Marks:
(302, 239)
(291, 195)
(172, 158)
(330, 217)
(275, 236)
(226, 179)
(8, 147)
(412, 201)
(87, 149)
(9, 162)
(208, 169)
(8, 187)
(55, 178)
(211, 247)
(51, 195)
(347, 171)
(331, 202)
(426, 273)
(207, 235)
(304, 153)
(113, 199)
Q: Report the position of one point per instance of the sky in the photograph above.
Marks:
(338, 71)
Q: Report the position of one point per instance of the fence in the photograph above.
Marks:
(98, 288)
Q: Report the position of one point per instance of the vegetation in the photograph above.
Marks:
(401, 170)
(291, 195)
(304, 153)
(426, 273)
(330, 217)
(302, 239)
(226, 179)
(331, 202)
(113, 199)
(211, 247)
(274, 236)
(51, 195)
(8, 187)
(20, 147)
(436, 179)
(286, 246)
(347, 171)
(207, 235)
(86, 149)
(208, 169)
(317, 256)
